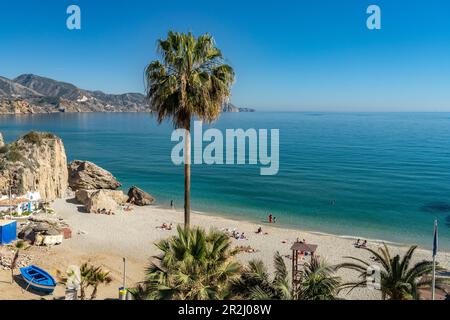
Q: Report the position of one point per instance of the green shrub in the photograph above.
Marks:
(33, 137)
(50, 100)
(14, 156)
(37, 137)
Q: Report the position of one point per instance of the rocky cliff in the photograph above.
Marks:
(37, 161)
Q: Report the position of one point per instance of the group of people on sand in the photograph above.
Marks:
(233, 233)
(104, 211)
(165, 226)
(238, 235)
(360, 244)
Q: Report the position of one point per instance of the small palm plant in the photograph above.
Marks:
(399, 280)
(255, 282)
(90, 276)
(190, 80)
(318, 281)
(140, 292)
(194, 265)
(17, 247)
(98, 277)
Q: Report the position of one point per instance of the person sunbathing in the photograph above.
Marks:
(362, 245)
(259, 231)
(163, 226)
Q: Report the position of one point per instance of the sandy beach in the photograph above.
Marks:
(104, 240)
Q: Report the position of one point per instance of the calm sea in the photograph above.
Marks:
(370, 175)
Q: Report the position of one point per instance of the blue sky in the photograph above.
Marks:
(288, 55)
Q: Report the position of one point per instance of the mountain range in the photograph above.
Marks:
(29, 93)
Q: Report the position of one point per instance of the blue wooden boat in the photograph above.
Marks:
(38, 279)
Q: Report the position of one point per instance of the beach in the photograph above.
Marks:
(105, 240)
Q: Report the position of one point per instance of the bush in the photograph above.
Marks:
(37, 137)
(14, 156)
(50, 100)
(33, 137)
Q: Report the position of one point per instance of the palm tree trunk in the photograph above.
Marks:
(94, 293)
(187, 175)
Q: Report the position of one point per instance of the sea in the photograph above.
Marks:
(363, 175)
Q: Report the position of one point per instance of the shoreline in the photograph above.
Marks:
(104, 240)
(310, 231)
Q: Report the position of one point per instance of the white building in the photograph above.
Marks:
(20, 204)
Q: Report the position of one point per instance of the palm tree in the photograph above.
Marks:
(318, 281)
(193, 265)
(17, 247)
(255, 282)
(90, 276)
(140, 292)
(98, 277)
(86, 274)
(399, 280)
(190, 80)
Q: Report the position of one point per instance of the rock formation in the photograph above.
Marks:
(44, 231)
(88, 176)
(84, 196)
(2, 143)
(139, 197)
(101, 200)
(35, 162)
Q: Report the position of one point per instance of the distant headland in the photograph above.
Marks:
(29, 94)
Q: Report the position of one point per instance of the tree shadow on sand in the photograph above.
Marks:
(80, 207)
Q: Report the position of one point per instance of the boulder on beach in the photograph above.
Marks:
(88, 176)
(83, 196)
(139, 197)
(43, 231)
(100, 200)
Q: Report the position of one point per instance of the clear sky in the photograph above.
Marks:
(312, 55)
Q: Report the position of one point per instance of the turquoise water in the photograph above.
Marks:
(371, 175)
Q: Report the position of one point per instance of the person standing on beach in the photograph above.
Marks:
(270, 218)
